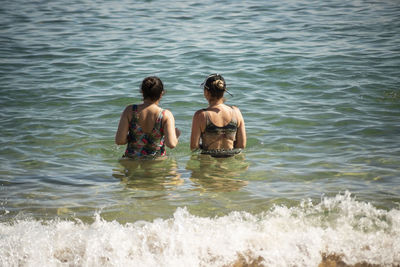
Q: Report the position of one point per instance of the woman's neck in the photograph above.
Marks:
(148, 102)
(215, 102)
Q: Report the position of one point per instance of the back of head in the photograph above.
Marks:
(216, 85)
(152, 88)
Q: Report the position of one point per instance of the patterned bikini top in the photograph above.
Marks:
(213, 133)
(141, 144)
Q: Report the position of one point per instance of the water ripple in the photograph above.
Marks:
(317, 82)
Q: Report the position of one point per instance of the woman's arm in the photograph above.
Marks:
(171, 133)
(196, 130)
(241, 138)
(121, 137)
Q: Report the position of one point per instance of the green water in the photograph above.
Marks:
(317, 83)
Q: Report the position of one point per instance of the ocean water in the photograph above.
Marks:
(318, 83)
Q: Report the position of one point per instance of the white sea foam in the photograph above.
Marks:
(354, 231)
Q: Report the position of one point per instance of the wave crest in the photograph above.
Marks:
(338, 229)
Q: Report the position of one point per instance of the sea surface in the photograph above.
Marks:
(318, 84)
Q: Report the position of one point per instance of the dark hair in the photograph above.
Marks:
(152, 88)
(216, 85)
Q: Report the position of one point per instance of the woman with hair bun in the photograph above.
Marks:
(146, 128)
(217, 130)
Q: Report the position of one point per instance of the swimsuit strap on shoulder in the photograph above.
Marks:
(135, 112)
(159, 118)
(160, 114)
(207, 117)
(234, 115)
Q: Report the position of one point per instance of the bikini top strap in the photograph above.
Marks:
(234, 115)
(160, 114)
(207, 116)
(160, 117)
(135, 112)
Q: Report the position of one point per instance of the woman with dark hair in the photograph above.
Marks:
(217, 130)
(146, 128)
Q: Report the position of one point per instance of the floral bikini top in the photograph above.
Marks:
(141, 144)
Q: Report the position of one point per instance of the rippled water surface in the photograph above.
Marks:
(318, 83)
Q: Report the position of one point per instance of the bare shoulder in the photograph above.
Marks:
(237, 110)
(128, 108)
(128, 111)
(238, 114)
(167, 114)
(199, 114)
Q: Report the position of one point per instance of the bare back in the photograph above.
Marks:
(219, 130)
(147, 116)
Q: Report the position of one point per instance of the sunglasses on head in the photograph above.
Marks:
(204, 86)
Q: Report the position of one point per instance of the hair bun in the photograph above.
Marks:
(149, 83)
(152, 88)
(219, 84)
